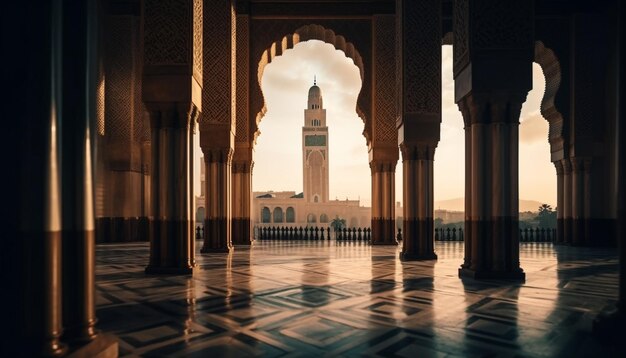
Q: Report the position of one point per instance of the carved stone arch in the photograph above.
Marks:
(549, 62)
(315, 32)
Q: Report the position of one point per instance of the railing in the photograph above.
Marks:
(365, 234)
(312, 233)
(525, 235)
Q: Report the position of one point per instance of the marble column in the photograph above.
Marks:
(580, 201)
(567, 201)
(383, 196)
(78, 148)
(242, 200)
(612, 324)
(560, 238)
(218, 124)
(418, 225)
(121, 176)
(383, 146)
(32, 200)
(491, 81)
(172, 91)
(242, 157)
(418, 83)
(171, 227)
(492, 227)
(218, 174)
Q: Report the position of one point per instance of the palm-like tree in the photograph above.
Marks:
(338, 223)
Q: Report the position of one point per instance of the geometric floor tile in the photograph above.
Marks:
(316, 299)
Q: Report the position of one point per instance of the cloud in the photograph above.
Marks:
(533, 128)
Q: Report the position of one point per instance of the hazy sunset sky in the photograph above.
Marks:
(278, 152)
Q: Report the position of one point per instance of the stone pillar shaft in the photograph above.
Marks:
(383, 203)
(418, 63)
(560, 238)
(418, 188)
(172, 224)
(242, 190)
(78, 137)
(492, 234)
(218, 124)
(217, 223)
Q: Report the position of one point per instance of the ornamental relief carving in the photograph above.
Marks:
(421, 69)
(166, 29)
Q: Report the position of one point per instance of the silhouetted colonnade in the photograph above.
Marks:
(105, 97)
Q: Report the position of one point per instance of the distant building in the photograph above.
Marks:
(312, 207)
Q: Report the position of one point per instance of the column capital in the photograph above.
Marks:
(382, 166)
(559, 167)
(172, 114)
(567, 166)
(383, 154)
(217, 155)
(242, 166)
(418, 151)
(492, 107)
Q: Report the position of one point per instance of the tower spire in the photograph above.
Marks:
(314, 80)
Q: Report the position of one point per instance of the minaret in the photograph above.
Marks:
(315, 148)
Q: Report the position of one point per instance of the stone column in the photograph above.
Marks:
(383, 168)
(567, 201)
(242, 159)
(217, 223)
(418, 79)
(560, 238)
(121, 175)
(31, 206)
(383, 147)
(418, 227)
(218, 122)
(172, 87)
(613, 323)
(579, 202)
(492, 74)
(242, 200)
(78, 133)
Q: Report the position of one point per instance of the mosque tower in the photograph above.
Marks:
(315, 148)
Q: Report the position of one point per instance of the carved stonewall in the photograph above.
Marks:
(493, 74)
(419, 118)
(172, 86)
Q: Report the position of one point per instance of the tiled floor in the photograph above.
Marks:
(349, 299)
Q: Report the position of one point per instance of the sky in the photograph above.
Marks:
(278, 153)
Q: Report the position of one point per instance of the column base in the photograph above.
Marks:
(241, 231)
(103, 346)
(122, 229)
(405, 256)
(158, 270)
(394, 243)
(216, 250)
(492, 275)
(610, 326)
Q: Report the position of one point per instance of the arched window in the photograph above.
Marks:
(200, 215)
(291, 215)
(311, 218)
(266, 216)
(278, 215)
(323, 218)
(316, 199)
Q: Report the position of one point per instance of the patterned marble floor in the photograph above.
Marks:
(279, 299)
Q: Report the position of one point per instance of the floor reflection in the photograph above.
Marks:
(351, 299)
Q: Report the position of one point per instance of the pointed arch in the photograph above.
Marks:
(320, 33)
(549, 63)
